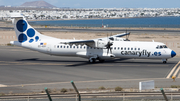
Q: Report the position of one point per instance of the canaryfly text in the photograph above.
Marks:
(140, 53)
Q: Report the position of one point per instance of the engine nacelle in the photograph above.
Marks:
(100, 43)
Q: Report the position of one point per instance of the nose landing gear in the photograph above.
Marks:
(164, 61)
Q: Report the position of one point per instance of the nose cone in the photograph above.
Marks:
(173, 53)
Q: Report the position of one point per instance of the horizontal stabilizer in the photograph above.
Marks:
(16, 15)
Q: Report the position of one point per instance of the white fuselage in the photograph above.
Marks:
(95, 49)
(120, 49)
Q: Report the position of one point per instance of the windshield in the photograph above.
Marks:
(161, 46)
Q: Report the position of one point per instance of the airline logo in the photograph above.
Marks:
(42, 44)
(28, 34)
(140, 53)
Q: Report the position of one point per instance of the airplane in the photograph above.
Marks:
(101, 49)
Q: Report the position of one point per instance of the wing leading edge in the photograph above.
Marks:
(95, 42)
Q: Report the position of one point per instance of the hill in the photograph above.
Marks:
(38, 4)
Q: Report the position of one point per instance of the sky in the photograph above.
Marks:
(103, 3)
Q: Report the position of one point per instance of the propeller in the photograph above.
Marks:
(127, 36)
(108, 46)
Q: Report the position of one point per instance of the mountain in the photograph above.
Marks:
(38, 4)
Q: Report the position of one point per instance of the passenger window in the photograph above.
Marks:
(138, 48)
(118, 48)
(61, 46)
(128, 48)
(124, 48)
(64, 46)
(114, 48)
(134, 48)
(121, 48)
(131, 48)
(67, 46)
(84, 47)
(70, 46)
(161, 46)
(73, 46)
(58, 46)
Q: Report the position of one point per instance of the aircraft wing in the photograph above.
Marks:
(82, 42)
(120, 35)
(93, 42)
(114, 36)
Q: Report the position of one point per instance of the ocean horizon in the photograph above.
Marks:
(169, 22)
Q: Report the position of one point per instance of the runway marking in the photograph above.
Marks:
(32, 63)
(4, 64)
(178, 76)
(157, 65)
(113, 65)
(22, 63)
(53, 83)
(1, 85)
(177, 70)
(129, 65)
(13, 62)
(172, 71)
(56, 64)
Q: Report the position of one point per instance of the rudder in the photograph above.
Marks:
(24, 32)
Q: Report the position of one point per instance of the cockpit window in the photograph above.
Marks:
(161, 46)
(165, 46)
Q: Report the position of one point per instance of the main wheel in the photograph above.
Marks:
(92, 60)
(101, 60)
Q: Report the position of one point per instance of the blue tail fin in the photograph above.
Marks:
(24, 32)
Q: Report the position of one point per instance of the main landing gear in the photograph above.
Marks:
(164, 61)
(93, 60)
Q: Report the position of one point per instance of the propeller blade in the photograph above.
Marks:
(111, 50)
(107, 50)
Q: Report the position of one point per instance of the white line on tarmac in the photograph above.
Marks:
(176, 71)
(1, 85)
(173, 70)
(178, 76)
(53, 83)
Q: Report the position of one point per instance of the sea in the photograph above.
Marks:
(161, 22)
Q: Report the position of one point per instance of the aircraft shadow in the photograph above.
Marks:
(84, 63)
(77, 63)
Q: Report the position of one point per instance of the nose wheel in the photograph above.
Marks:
(164, 61)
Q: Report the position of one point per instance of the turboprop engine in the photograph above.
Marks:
(104, 44)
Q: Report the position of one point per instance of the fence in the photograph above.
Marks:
(101, 96)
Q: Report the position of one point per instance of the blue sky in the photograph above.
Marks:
(103, 3)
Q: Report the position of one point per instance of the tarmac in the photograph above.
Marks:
(24, 71)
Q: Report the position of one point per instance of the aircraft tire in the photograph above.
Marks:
(101, 61)
(92, 60)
